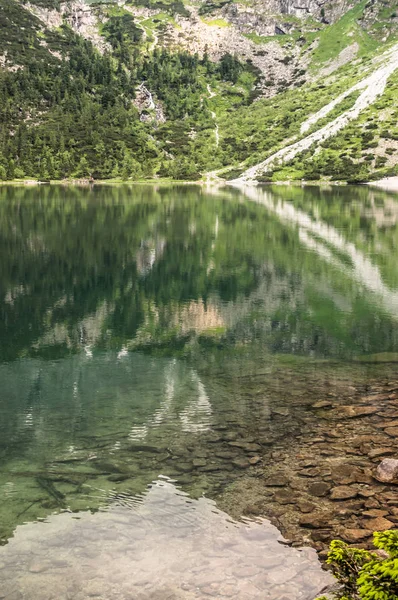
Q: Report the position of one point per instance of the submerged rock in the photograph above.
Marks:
(352, 412)
(314, 521)
(387, 471)
(380, 452)
(277, 480)
(343, 492)
(319, 489)
(355, 535)
(392, 431)
(379, 524)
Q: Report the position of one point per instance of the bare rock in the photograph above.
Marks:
(387, 471)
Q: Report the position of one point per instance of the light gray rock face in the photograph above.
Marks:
(387, 471)
(270, 17)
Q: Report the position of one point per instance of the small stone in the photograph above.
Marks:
(94, 589)
(118, 477)
(392, 431)
(210, 590)
(343, 492)
(213, 439)
(375, 512)
(385, 424)
(314, 472)
(355, 535)
(322, 404)
(353, 412)
(283, 412)
(387, 471)
(306, 507)
(284, 497)
(38, 567)
(225, 454)
(276, 481)
(212, 467)
(245, 571)
(379, 524)
(183, 467)
(254, 460)
(228, 590)
(247, 446)
(313, 521)
(319, 489)
(366, 493)
(199, 462)
(240, 463)
(372, 503)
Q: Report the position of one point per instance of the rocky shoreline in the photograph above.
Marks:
(325, 487)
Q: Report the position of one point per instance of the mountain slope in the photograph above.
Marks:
(161, 88)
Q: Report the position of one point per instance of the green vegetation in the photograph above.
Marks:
(70, 111)
(74, 115)
(366, 575)
(217, 22)
(359, 152)
(345, 32)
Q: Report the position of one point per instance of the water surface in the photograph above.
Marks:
(162, 349)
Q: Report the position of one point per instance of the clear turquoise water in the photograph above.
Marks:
(144, 328)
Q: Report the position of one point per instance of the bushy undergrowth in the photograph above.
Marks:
(366, 575)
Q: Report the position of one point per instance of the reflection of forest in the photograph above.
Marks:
(305, 270)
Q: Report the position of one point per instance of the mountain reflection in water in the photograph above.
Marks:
(189, 333)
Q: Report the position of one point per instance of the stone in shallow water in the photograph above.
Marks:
(314, 521)
(319, 489)
(284, 497)
(352, 412)
(240, 463)
(38, 567)
(313, 472)
(380, 452)
(355, 535)
(379, 524)
(343, 492)
(306, 507)
(375, 512)
(277, 480)
(322, 404)
(387, 471)
(392, 431)
(199, 462)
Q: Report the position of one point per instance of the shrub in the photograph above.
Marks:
(366, 575)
